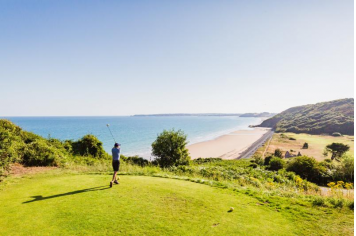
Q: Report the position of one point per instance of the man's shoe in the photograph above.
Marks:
(116, 182)
(110, 184)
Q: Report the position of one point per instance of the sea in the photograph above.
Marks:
(134, 133)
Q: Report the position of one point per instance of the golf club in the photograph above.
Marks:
(107, 125)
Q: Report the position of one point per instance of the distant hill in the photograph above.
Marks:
(193, 114)
(263, 114)
(324, 117)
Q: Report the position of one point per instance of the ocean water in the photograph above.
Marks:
(134, 133)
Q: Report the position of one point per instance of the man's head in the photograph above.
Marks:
(117, 145)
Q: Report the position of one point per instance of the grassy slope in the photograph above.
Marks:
(324, 117)
(82, 204)
(316, 143)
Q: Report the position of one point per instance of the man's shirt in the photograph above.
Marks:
(115, 154)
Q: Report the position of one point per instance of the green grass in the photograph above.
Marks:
(317, 144)
(67, 204)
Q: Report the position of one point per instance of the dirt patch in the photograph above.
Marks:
(345, 192)
(20, 170)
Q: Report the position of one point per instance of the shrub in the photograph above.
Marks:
(170, 148)
(318, 201)
(253, 165)
(336, 134)
(305, 146)
(206, 160)
(89, 145)
(39, 153)
(276, 164)
(351, 205)
(278, 153)
(27, 148)
(337, 202)
(267, 160)
(345, 171)
(136, 160)
(292, 139)
(304, 166)
(258, 160)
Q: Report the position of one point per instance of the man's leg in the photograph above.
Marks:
(114, 176)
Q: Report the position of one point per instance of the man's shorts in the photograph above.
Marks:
(116, 165)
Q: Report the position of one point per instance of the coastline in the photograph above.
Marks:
(234, 145)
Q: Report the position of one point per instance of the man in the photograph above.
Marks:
(115, 162)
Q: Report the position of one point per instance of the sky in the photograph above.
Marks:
(97, 58)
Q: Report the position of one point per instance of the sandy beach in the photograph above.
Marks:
(229, 146)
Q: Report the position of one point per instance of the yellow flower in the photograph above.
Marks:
(331, 184)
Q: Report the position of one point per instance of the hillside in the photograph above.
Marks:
(27, 148)
(320, 118)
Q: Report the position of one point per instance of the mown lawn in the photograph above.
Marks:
(65, 204)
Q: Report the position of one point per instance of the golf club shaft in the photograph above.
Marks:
(111, 133)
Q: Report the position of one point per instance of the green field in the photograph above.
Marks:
(317, 143)
(67, 204)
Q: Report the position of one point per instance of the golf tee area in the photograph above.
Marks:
(83, 204)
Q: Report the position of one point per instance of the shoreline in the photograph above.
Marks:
(234, 145)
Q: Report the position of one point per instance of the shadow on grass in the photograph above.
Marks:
(40, 197)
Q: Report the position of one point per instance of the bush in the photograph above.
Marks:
(169, 148)
(306, 167)
(267, 160)
(345, 171)
(276, 164)
(258, 160)
(136, 160)
(89, 145)
(206, 160)
(39, 153)
(253, 165)
(318, 201)
(305, 146)
(278, 153)
(27, 148)
(10, 145)
(292, 139)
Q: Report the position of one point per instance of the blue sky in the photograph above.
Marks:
(140, 57)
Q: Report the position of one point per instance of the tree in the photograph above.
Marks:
(267, 160)
(169, 148)
(276, 164)
(89, 145)
(278, 153)
(337, 150)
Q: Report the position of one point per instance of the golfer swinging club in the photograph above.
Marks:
(115, 162)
